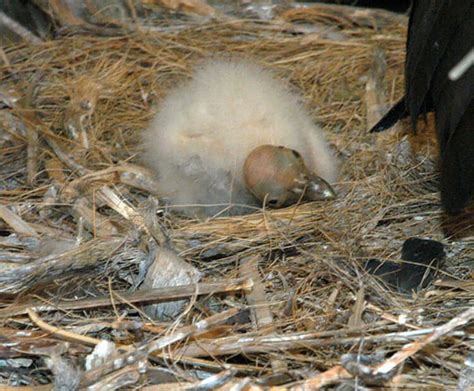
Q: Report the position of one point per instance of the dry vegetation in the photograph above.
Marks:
(77, 227)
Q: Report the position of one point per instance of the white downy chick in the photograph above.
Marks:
(208, 128)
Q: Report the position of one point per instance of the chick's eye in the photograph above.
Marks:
(273, 202)
(296, 154)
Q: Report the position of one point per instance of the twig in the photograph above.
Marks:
(116, 380)
(18, 29)
(142, 352)
(60, 332)
(259, 306)
(326, 378)
(355, 320)
(16, 222)
(110, 197)
(150, 295)
(295, 341)
(414, 347)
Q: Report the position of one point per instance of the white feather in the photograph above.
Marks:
(206, 127)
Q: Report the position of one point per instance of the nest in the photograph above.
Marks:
(284, 300)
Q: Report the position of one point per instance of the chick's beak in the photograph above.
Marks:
(317, 189)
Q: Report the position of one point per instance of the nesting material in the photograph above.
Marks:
(311, 256)
(168, 270)
(103, 351)
(206, 128)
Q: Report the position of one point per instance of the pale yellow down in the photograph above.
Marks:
(205, 128)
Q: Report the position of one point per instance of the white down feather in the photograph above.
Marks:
(205, 128)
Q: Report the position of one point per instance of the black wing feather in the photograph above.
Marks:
(397, 112)
(434, 46)
(440, 34)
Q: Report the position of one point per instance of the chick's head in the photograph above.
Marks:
(277, 176)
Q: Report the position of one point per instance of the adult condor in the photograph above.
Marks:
(440, 37)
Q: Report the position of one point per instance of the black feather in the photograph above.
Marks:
(457, 165)
(396, 113)
(440, 34)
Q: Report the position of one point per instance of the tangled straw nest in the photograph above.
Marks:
(81, 90)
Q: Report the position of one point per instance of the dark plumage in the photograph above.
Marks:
(440, 34)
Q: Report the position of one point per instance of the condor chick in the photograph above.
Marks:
(232, 139)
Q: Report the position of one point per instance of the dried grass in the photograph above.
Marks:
(311, 255)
